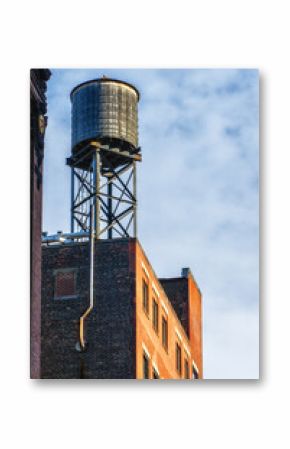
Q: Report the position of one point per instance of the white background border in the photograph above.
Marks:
(75, 414)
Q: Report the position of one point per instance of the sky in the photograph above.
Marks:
(198, 192)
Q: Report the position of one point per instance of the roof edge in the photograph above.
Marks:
(105, 80)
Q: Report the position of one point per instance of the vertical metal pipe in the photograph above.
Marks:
(92, 247)
(91, 293)
(135, 196)
(72, 200)
(97, 184)
(110, 191)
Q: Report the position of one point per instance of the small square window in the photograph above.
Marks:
(155, 374)
(145, 366)
(145, 297)
(178, 358)
(155, 315)
(186, 369)
(165, 333)
(194, 373)
(65, 284)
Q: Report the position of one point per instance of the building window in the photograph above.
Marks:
(178, 358)
(145, 297)
(165, 333)
(155, 315)
(186, 369)
(194, 372)
(145, 366)
(65, 284)
(155, 374)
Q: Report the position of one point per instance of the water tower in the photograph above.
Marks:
(103, 158)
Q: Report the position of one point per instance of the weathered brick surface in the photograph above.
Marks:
(110, 328)
(177, 291)
(118, 329)
(38, 79)
(186, 300)
(149, 341)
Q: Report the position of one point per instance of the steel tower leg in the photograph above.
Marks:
(135, 196)
(72, 199)
(112, 189)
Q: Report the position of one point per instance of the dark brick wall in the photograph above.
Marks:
(177, 291)
(38, 80)
(110, 328)
(185, 297)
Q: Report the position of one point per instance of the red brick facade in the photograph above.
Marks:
(183, 347)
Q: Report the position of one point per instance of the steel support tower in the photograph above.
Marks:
(104, 176)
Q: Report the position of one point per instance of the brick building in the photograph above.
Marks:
(38, 82)
(105, 314)
(140, 327)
